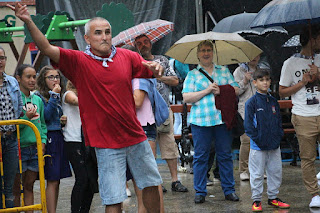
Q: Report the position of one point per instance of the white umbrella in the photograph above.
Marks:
(229, 48)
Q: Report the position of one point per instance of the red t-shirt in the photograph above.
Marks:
(106, 101)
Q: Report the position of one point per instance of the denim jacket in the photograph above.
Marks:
(14, 92)
(52, 110)
(159, 105)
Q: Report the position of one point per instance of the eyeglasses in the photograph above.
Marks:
(205, 50)
(52, 77)
(3, 58)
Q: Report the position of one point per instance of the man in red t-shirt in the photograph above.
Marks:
(102, 75)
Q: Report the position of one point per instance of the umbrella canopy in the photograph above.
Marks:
(240, 23)
(229, 48)
(287, 12)
(155, 30)
(294, 41)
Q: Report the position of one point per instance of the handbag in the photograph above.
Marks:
(238, 127)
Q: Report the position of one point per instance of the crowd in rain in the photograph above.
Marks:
(104, 111)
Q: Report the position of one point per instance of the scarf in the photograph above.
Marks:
(299, 55)
(104, 60)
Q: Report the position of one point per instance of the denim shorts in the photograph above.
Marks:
(150, 131)
(112, 166)
(29, 158)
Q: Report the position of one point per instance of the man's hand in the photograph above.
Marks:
(155, 67)
(314, 72)
(21, 12)
(306, 78)
(40, 40)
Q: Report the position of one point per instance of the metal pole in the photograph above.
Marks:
(73, 23)
(199, 16)
(11, 29)
(61, 25)
(212, 18)
(206, 22)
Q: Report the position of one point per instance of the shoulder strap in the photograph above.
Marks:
(205, 74)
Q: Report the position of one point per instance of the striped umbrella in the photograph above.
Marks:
(155, 30)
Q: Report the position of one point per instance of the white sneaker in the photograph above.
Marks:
(216, 180)
(209, 182)
(318, 176)
(128, 192)
(244, 176)
(315, 202)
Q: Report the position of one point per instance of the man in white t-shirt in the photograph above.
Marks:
(300, 80)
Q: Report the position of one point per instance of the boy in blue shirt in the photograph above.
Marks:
(263, 125)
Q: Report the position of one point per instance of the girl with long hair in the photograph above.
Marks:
(49, 88)
(33, 111)
(82, 158)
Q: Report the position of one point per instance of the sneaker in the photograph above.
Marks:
(199, 199)
(209, 182)
(164, 189)
(216, 180)
(191, 170)
(244, 176)
(278, 203)
(178, 187)
(315, 202)
(256, 206)
(128, 192)
(182, 169)
(232, 197)
(318, 176)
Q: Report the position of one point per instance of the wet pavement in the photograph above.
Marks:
(292, 191)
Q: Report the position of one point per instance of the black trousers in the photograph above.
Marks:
(85, 176)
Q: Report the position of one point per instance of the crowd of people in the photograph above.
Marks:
(116, 108)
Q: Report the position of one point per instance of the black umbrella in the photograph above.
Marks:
(240, 23)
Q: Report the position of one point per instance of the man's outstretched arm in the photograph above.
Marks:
(40, 40)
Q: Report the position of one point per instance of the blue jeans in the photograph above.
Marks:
(10, 167)
(203, 137)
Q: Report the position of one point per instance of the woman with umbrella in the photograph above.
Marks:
(243, 76)
(206, 121)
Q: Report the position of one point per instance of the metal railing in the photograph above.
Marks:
(42, 206)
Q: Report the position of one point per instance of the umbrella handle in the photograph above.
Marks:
(313, 77)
